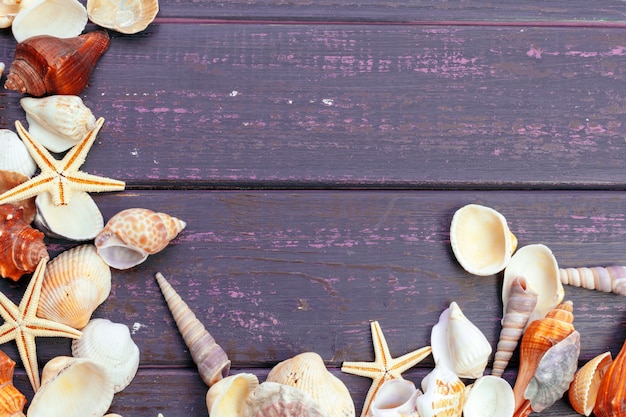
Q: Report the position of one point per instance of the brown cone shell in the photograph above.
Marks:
(611, 399)
(49, 65)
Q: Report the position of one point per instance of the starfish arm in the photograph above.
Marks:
(371, 394)
(7, 333)
(77, 155)
(37, 326)
(365, 369)
(82, 181)
(28, 353)
(381, 350)
(45, 161)
(409, 360)
(30, 299)
(8, 310)
(28, 189)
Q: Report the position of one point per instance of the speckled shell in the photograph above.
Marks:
(444, 394)
(606, 279)
(271, 399)
(34, 18)
(111, 345)
(12, 401)
(225, 398)
(75, 283)
(308, 372)
(132, 234)
(611, 399)
(21, 246)
(583, 390)
(49, 65)
(123, 16)
(15, 155)
(52, 219)
(10, 179)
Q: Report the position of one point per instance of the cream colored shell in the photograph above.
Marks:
(395, 398)
(78, 220)
(125, 16)
(225, 398)
(7, 15)
(583, 389)
(271, 399)
(489, 396)
(34, 18)
(14, 155)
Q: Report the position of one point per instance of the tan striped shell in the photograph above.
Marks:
(583, 390)
(606, 279)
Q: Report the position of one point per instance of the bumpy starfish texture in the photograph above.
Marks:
(384, 367)
(60, 178)
(23, 325)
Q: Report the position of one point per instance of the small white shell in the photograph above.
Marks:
(34, 18)
(225, 398)
(489, 396)
(128, 17)
(395, 398)
(58, 122)
(14, 155)
(111, 345)
(72, 387)
(444, 394)
(79, 220)
(7, 15)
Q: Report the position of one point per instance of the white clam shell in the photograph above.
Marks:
(78, 220)
(481, 240)
(444, 394)
(72, 387)
(225, 398)
(58, 122)
(14, 155)
(489, 396)
(34, 18)
(111, 345)
(395, 398)
(125, 16)
(539, 267)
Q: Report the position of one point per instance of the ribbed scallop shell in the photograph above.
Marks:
(225, 398)
(79, 219)
(58, 122)
(21, 246)
(606, 279)
(611, 399)
(11, 400)
(111, 345)
(444, 394)
(15, 155)
(583, 390)
(271, 399)
(72, 387)
(130, 16)
(10, 179)
(307, 372)
(75, 283)
(213, 363)
(481, 239)
(34, 18)
(489, 396)
(132, 234)
(395, 398)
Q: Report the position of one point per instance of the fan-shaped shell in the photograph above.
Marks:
(12, 401)
(79, 219)
(584, 387)
(34, 18)
(58, 122)
(307, 372)
(10, 179)
(225, 398)
(132, 234)
(75, 283)
(123, 16)
(395, 398)
(15, 155)
(489, 396)
(611, 399)
(271, 399)
(606, 279)
(444, 394)
(111, 345)
(481, 240)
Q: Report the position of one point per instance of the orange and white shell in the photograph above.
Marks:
(123, 16)
(271, 399)
(307, 372)
(444, 394)
(75, 283)
(225, 398)
(583, 390)
(10, 179)
(611, 399)
(15, 155)
(132, 234)
(12, 401)
(481, 240)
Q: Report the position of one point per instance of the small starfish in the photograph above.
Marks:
(60, 178)
(23, 325)
(384, 367)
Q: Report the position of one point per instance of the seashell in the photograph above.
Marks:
(10, 179)
(75, 283)
(21, 246)
(611, 399)
(396, 398)
(132, 234)
(123, 16)
(12, 401)
(86, 218)
(271, 399)
(15, 155)
(307, 372)
(34, 19)
(489, 396)
(49, 65)
(7, 14)
(444, 394)
(111, 345)
(459, 345)
(538, 266)
(481, 240)
(583, 390)
(212, 362)
(541, 335)
(521, 303)
(58, 122)
(225, 398)
(606, 279)
(72, 387)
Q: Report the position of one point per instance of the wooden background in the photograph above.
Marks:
(318, 150)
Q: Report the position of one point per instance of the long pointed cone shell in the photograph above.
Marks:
(212, 362)
(583, 390)
(522, 301)
(611, 400)
(606, 279)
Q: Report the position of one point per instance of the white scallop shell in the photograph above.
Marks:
(14, 155)
(58, 122)
(225, 398)
(34, 18)
(111, 345)
(79, 220)
(395, 398)
(489, 396)
(125, 16)
(72, 387)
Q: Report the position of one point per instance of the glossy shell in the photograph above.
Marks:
(481, 240)
(132, 234)
(15, 155)
(271, 399)
(12, 401)
(307, 372)
(34, 19)
(606, 279)
(611, 399)
(583, 390)
(111, 345)
(49, 65)
(444, 394)
(489, 396)
(225, 398)
(123, 16)
(10, 179)
(79, 219)
(396, 398)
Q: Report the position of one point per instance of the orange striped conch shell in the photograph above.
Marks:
(611, 399)
(606, 279)
(11, 400)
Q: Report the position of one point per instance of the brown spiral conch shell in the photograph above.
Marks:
(212, 362)
(11, 400)
(541, 335)
(10, 179)
(522, 301)
(606, 279)
(50, 65)
(583, 390)
(21, 246)
(611, 399)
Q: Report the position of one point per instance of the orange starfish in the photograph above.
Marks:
(60, 178)
(384, 367)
